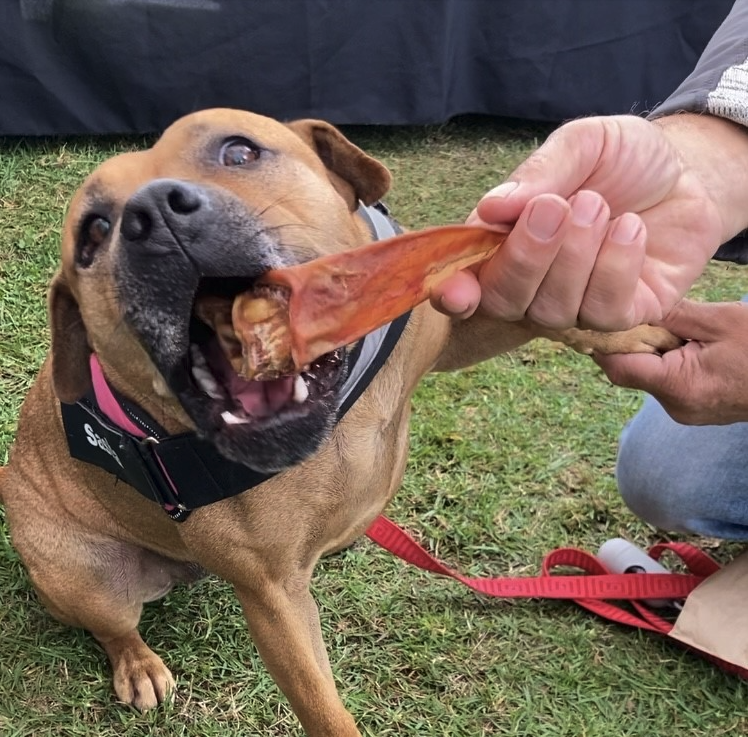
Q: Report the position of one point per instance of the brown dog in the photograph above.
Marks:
(220, 199)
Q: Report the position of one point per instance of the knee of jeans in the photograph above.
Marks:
(636, 493)
(648, 490)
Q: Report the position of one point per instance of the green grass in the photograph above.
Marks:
(509, 460)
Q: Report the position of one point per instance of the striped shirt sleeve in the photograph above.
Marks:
(719, 83)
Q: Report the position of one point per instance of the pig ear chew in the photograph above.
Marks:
(302, 312)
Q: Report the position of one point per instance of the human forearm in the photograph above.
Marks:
(715, 151)
(697, 117)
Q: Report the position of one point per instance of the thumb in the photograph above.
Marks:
(704, 321)
(566, 160)
(636, 370)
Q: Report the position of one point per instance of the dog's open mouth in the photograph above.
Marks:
(217, 355)
(267, 348)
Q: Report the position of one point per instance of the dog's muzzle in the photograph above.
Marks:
(180, 243)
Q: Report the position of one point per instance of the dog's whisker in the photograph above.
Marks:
(329, 240)
(296, 195)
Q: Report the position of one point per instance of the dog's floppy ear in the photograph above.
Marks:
(71, 377)
(353, 173)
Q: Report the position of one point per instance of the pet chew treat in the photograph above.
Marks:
(260, 320)
(304, 311)
(216, 312)
(263, 351)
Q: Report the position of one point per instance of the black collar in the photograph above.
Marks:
(183, 472)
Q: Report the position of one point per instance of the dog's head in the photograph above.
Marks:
(222, 197)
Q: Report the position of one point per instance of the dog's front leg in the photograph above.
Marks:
(284, 623)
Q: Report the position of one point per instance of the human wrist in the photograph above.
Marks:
(714, 151)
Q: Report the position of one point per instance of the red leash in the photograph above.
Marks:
(592, 590)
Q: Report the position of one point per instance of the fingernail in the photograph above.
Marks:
(453, 308)
(545, 219)
(586, 207)
(626, 229)
(503, 190)
(473, 218)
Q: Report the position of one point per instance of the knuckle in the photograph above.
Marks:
(551, 313)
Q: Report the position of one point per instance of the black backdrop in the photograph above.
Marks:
(114, 66)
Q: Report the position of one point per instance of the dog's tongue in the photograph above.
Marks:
(257, 398)
(262, 398)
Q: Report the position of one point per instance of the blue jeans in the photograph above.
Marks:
(682, 478)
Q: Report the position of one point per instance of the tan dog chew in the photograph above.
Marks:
(222, 198)
(313, 308)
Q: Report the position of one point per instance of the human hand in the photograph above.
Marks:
(706, 381)
(612, 226)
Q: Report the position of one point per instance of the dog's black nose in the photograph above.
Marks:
(160, 210)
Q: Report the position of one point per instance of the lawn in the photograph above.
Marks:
(509, 460)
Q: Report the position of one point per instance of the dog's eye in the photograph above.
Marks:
(238, 152)
(93, 233)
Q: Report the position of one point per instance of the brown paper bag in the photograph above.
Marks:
(715, 616)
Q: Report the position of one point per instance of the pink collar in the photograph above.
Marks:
(107, 401)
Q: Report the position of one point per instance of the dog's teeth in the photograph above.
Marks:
(206, 382)
(300, 390)
(231, 419)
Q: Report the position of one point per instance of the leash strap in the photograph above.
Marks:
(593, 590)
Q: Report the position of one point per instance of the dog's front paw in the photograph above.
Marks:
(144, 683)
(140, 677)
(641, 339)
